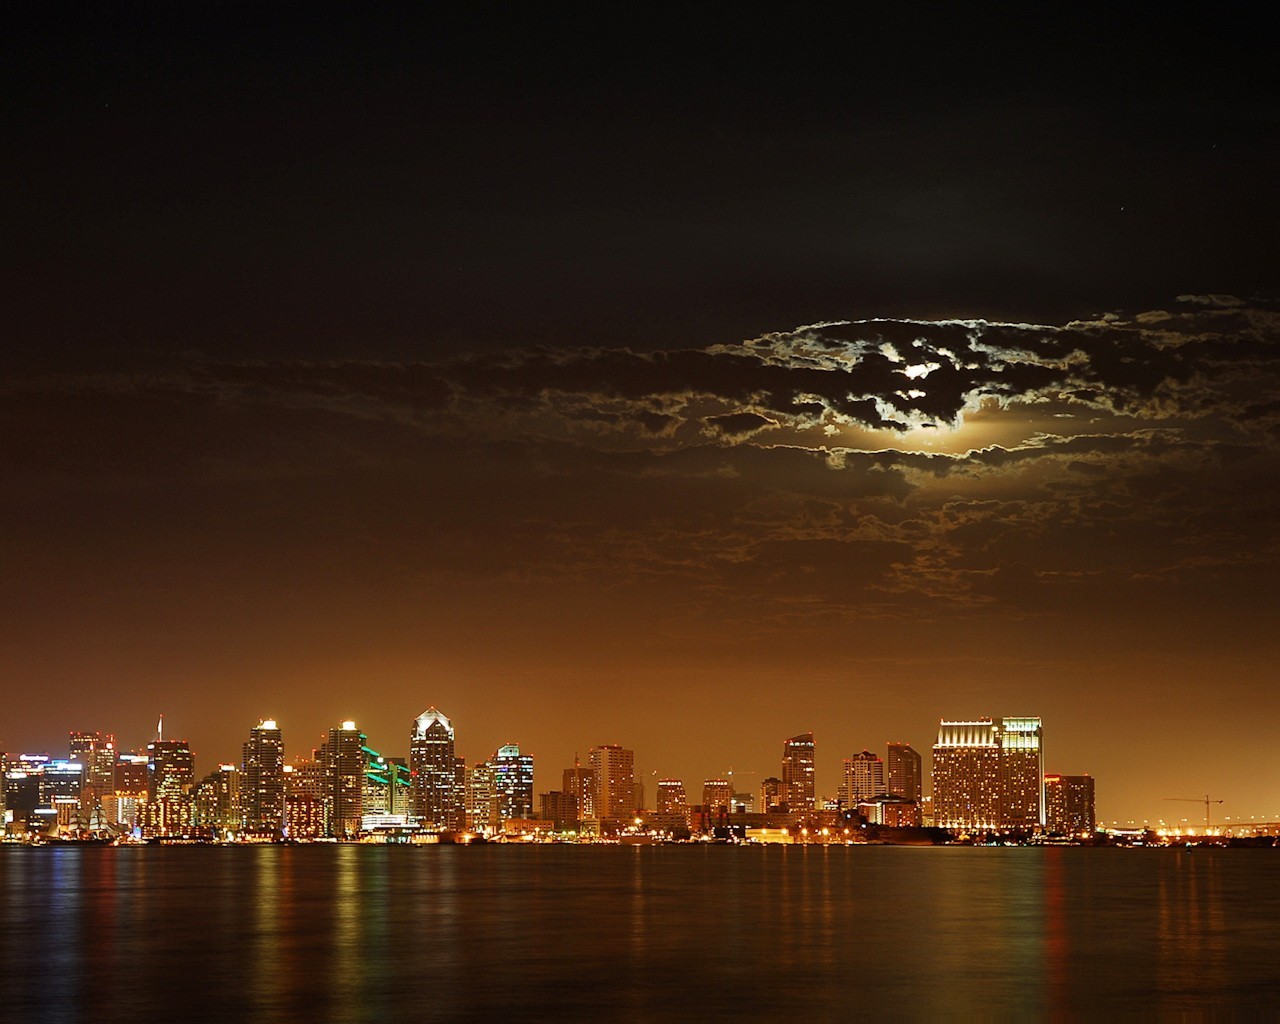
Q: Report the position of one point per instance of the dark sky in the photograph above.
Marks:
(356, 365)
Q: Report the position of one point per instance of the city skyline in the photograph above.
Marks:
(735, 381)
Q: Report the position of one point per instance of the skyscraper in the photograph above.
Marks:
(217, 801)
(773, 795)
(1069, 805)
(513, 782)
(717, 797)
(613, 792)
(435, 797)
(671, 797)
(262, 783)
(171, 778)
(97, 752)
(988, 774)
(798, 773)
(904, 772)
(579, 784)
(345, 759)
(1021, 773)
(863, 778)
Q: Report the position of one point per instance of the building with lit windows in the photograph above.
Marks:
(171, 779)
(613, 791)
(345, 759)
(308, 800)
(217, 799)
(97, 752)
(863, 779)
(672, 798)
(717, 797)
(438, 778)
(798, 773)
(579, 783)
(987, 775)
(262, 781)
(1069, 806)
(903, 772)
(481, 800)
(512, 782)
(773, 796)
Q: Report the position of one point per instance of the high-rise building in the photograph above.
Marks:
(672, 798)
(558, 807)
(97, 752)
(308, 800)
(717, 797)
(171, 778)
(1022, 773)
(798, 773)
(217, 800)
(579, 783)
(904, 772)
(863, 779)
(513, 782)
(262, 784)
(481, 800)
(613, 793)
(345, 759)
(386, 785)
(132, 774)
(1069, 806)
(773, 795)
(438, 777)
(171, 769)
(987, 775)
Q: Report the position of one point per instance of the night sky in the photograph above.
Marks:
(679, 382)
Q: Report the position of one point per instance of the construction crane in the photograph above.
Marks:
(1206, 800)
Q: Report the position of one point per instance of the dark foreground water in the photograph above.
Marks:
(352, 933)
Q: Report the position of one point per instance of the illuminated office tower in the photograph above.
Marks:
(435, 798)
(1022, 773)
(579, 785)
(217, 800)
(97, 752)
(132, 774)
(967, 775)
(613, 793)
(797, 773)
(773, 795)
(717, 797)
(904, 774)
(61, 780)
(345, 759)
(171, 778)
(863, 779)
(171, 769)
(386, 785)
(672, 798)
(262, 789)
(481, 800)
(513, 782)
(1069, 807)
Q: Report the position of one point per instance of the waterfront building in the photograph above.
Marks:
(863, 779)
(1069, 805)
(345, 759)
(773, 796)
(481, 800)
(97, 752)
(217, 801)
(559, 808)
(987, 775)
(890, 810)
(798, 773)
(717, 797)
(171, 778)
(512, 782)
(579, 783)
(904, 775)
(672, 799)
(1021, 774)
(613, 793)
(438, 775)
(308, 799)
(262, 788)
(386, 785)
(132, 774)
